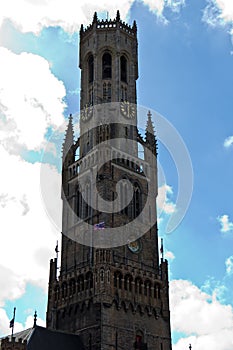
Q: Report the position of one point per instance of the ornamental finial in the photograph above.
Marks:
(35, 319)
(95, 18)
(118, 17)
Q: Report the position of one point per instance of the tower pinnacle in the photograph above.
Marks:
(95, 18)
(150, 133)
(118, 17)
(69, 137)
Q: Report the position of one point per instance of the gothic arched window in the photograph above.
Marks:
(123, 197)
(87, 200)
(107, 66)
(107, 92)
(128, 283)
(136, 201)
(118, 279)
(64, 290)
(78, 203)
(138, 285)
(72, 286)
(147, 288)
(80, 283)
(123, 69)
(89, 280)
(90, 69)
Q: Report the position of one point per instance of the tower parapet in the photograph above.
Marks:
(110, 24)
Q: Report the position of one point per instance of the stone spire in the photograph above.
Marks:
(134, 26)
(95, 18)
(150, 133)
(69, 137)
(118, 17)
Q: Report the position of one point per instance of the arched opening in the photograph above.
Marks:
(77, 153)
(56, 293)
(136, 201)
(140, 151)
(147, 288)
(87, 197)
(72, 286)
(138, 285)
(123, 69)
(124, 93)
(89, 280)
(78, 203)
(128, 283)
(90, 69)
(80, 283)
(139, 340)
(107, 66)
(64, 290)
(118, 279)
(107, 92)
(102, 275)
(157, 291)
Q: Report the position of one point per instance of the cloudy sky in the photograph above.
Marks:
(185, 74)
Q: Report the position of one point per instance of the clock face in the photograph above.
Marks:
(86, 113)
(135, 246)
(128, 110)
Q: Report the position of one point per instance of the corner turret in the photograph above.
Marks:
(69, 137)
(150, 134)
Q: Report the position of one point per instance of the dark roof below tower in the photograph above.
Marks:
(39, 338)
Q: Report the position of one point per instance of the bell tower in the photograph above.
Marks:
(108, 61)
(112, 289)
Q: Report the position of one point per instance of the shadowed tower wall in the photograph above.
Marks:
(113, 297)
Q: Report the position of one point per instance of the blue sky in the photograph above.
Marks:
(185, 74)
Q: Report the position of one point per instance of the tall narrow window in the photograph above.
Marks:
(91, 69)
(136, 201)
(87, 201)
(107, 66)
(91, 96)
(124, 95)
(107, 92)
(79, 203)
(123, 69)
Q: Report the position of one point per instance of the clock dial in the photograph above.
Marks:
(135, 246)
(128, 110)
(86, 113)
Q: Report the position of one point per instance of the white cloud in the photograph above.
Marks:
(169, 255)
(33, 16)
(18, 327)
(226, 225)
(229, 265)
(206, 322)
(218, 12)
(155, 5)
(31, 100)
(164, 202)
(25, 226)
(175, 5)
(30, 321)
(228, 142)
(158, 6)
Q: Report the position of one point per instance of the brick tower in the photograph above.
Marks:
(113, 296)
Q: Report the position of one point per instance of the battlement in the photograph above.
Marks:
(8, 344)
(110, 24)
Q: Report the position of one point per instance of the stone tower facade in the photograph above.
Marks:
(112, 289)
